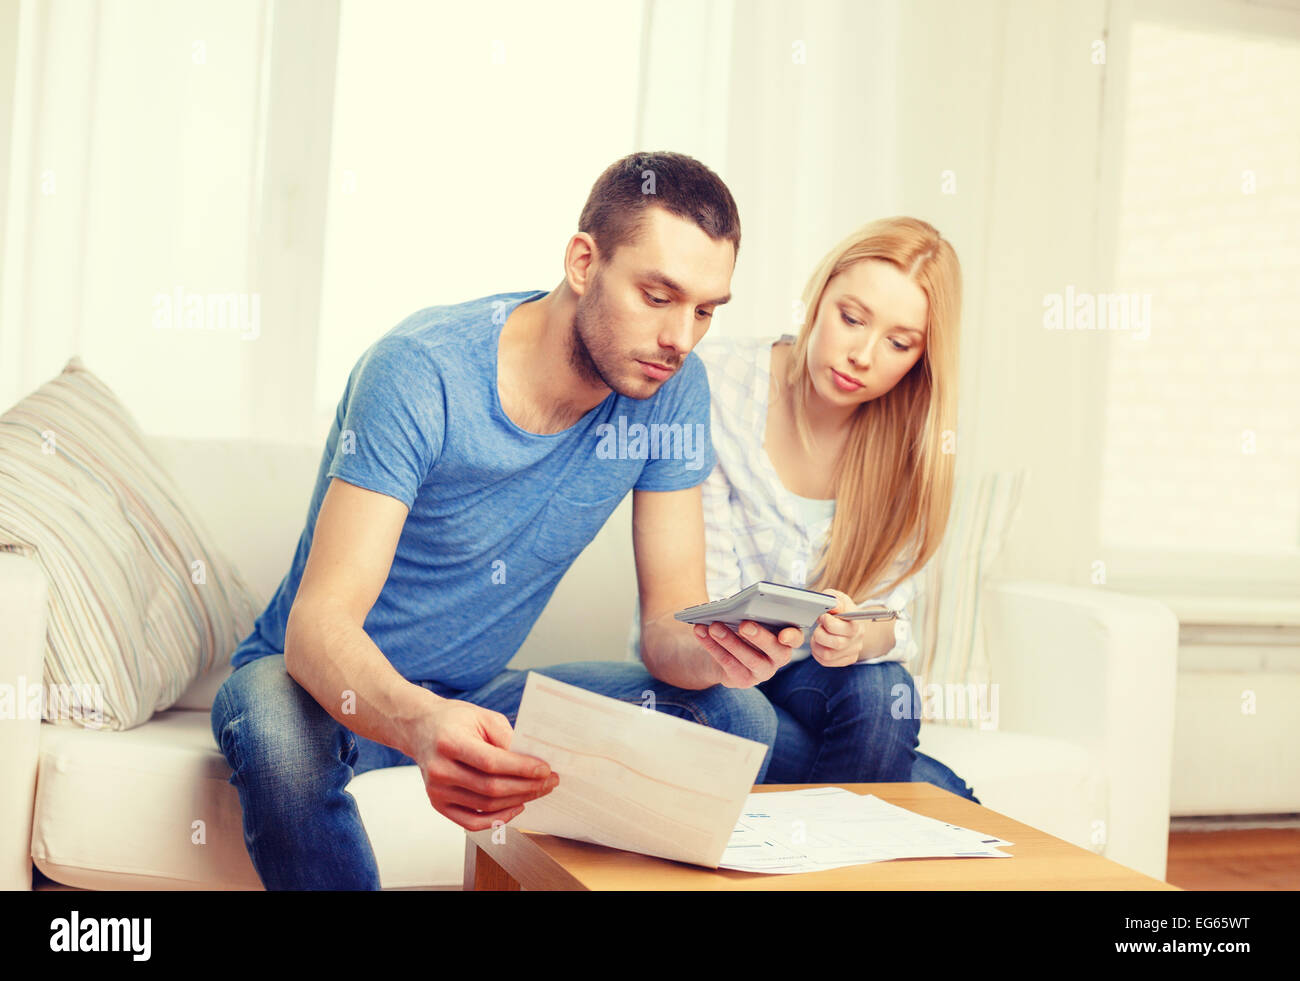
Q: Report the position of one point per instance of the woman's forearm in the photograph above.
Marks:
(879, 641)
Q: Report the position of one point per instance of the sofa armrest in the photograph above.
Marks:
(1098, 668)
(23, 597)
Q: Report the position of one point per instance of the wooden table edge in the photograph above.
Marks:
(506, 858)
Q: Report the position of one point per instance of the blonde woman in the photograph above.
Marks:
(832, 472)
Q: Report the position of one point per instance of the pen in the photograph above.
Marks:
(876, 614)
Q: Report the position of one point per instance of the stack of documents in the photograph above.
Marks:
(649, 782)
(830, 827)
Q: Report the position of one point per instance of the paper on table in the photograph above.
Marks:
(831, 827)
(630, 777)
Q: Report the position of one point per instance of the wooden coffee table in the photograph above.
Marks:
(527, 860)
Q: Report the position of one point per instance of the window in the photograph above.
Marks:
(440, 112)
(1201, 467)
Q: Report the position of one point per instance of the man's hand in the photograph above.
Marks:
(750, 657)
(469, 774)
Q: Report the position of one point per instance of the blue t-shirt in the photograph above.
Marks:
(496, 514)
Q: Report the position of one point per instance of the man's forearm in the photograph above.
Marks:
(339, 665)
(672, 654)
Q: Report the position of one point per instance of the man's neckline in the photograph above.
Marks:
(497, 330)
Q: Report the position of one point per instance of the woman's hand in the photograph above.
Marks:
(837, 643)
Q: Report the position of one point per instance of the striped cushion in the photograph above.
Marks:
(139, 600)
(947, 612)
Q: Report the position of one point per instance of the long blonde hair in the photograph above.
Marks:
(893, 481)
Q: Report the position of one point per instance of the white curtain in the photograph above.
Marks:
(133, 188)
(980, 118)
(348, 163)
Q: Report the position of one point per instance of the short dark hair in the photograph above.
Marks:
(615, 210)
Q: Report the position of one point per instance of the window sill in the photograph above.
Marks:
(1199, 609)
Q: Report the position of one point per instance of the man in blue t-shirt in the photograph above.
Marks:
(476, 450)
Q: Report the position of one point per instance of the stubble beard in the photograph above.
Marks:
(588, 333)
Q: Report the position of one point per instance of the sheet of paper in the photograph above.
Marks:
(832, 827)
(631, 777)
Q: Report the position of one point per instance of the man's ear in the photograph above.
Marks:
(580, 260)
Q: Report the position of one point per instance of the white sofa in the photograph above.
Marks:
(1083, 750)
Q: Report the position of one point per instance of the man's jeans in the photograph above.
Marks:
(860, 740)
(292, 761)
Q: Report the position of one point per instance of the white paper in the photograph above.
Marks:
(832, 827)
(631, 777)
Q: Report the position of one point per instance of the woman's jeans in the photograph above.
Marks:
(839, 725)
(292, 761)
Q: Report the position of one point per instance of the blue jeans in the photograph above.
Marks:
(835, 725)
(291, 761)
